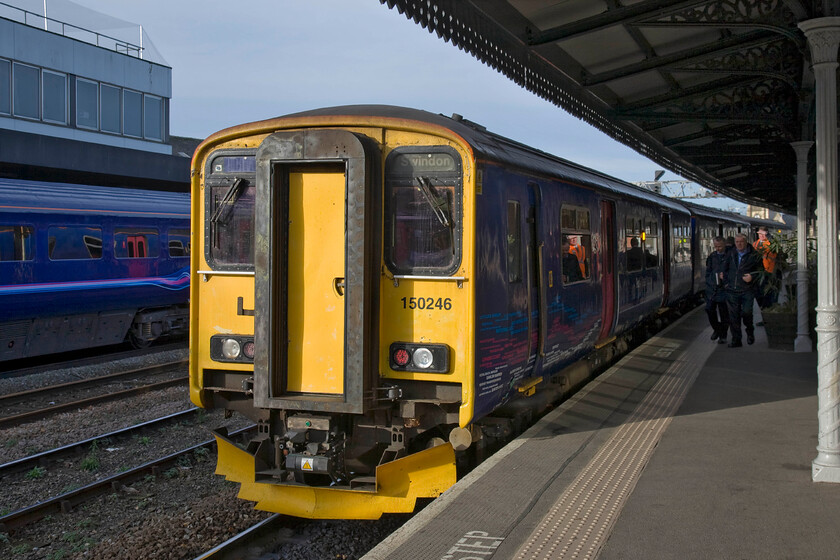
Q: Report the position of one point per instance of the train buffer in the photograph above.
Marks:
(683, 449)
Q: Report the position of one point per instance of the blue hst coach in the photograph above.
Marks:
(84, 266)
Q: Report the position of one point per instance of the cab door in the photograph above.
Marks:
(315, 279)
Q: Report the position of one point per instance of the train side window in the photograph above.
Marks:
(179, 243)
(514, 241)
(17, 243)
(576, 244)
(136, 243)
(74, 242)
(633, 248)
(651, 245)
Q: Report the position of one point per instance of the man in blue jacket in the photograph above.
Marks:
(716, 307)
(741, 279)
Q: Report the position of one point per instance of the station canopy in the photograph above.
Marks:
(713, 90)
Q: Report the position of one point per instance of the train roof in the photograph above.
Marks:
(770, 224)
(19, 196)
(494, 147)
(716, 213)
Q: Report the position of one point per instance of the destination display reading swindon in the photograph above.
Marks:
(421, 164)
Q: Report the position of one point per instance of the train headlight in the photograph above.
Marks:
(232, 348)
(422, 358)
(407, 356)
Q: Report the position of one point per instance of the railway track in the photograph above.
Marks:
(67, 501)
(264, 534)
(40, 364)
(34, 404)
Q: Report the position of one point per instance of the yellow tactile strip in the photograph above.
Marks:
(580, 521)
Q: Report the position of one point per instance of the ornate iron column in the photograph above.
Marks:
(803, 341)
(823, 38)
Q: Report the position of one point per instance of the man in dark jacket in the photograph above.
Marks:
(716, 307)
(740, 279)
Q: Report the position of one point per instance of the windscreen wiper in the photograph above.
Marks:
(225, 206)
(438, 203)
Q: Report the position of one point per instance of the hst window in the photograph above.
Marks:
(423, 210)
(74, 242)
(179, 243)
(17, 243)
(136, 243)
(229, 222)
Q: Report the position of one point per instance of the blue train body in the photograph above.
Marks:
(84, 266)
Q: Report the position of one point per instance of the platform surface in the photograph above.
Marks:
(683, 449)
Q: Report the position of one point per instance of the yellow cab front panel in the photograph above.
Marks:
(346, 288)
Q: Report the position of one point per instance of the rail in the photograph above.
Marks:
(7, 402)
(65, 503)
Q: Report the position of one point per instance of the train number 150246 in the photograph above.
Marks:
(426, 303)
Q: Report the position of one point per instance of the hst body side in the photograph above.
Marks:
(84, 266)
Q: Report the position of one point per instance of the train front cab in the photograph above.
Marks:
(360, 347)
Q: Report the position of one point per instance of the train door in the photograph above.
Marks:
(314, 261)
(536, 282)
(607, 265)
(315, 279)
(667, 238)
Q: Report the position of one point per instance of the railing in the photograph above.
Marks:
(71, 31)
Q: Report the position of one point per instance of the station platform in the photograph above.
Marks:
(684, 449)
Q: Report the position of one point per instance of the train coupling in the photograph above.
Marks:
(312, 464)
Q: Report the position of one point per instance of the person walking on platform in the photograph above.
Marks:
(739, 275)
(716, 307)
(766, 295)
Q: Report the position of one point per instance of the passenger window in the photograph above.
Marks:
(74, 242)
(136, 243)
(634, 255)
(651, 245)
(179, 243)
(17, 243)
(575, 244)
(514, 242)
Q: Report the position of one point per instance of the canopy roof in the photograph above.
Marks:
(713, 90)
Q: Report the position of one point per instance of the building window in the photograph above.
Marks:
(26, 88)
(132, 113)
(87, 104)
(5, 87)
(109, 97)
(55, 97)
(153, 117)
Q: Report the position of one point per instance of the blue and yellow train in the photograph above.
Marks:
(86, 266)
(383, 290)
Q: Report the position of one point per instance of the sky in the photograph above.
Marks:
(247, 60)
